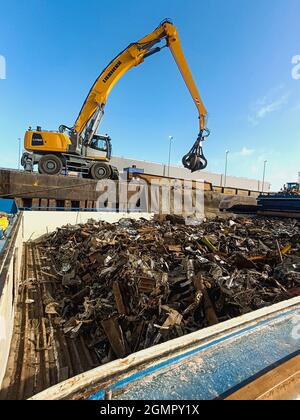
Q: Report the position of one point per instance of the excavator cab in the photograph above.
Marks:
(99, 148)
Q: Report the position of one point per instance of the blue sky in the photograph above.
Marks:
(240, 53)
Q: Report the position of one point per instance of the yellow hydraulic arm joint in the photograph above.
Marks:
(133, 55)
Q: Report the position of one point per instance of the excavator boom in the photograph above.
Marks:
(92, 110)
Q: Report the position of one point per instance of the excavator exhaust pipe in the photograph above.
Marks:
(195, 160)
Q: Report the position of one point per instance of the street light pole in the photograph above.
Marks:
(226, 167)
(170, 147)
(264, 176)
(19, 161)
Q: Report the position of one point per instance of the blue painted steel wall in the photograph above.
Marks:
(8, 206)
(217, 369)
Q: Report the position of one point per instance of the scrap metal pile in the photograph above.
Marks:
(130, 285)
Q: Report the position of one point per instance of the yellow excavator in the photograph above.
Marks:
(292, 188)
(80, 148)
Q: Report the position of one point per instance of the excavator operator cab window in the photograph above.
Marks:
(99, 144)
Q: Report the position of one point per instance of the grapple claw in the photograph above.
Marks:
(195, 160)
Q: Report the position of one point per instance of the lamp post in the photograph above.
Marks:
(226, 167)
(264, 176)
(19, 161)
(170, 147)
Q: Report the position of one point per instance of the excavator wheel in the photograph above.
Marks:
(50, 165)
(101, 171)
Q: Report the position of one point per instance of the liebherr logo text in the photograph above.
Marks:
(115, 67)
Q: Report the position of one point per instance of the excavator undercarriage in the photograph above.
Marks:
(51, 164)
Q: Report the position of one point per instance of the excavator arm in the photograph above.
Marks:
(92, 110)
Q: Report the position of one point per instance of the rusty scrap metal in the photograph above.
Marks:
(126, 286)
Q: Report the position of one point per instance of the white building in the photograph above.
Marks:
(182, 173)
